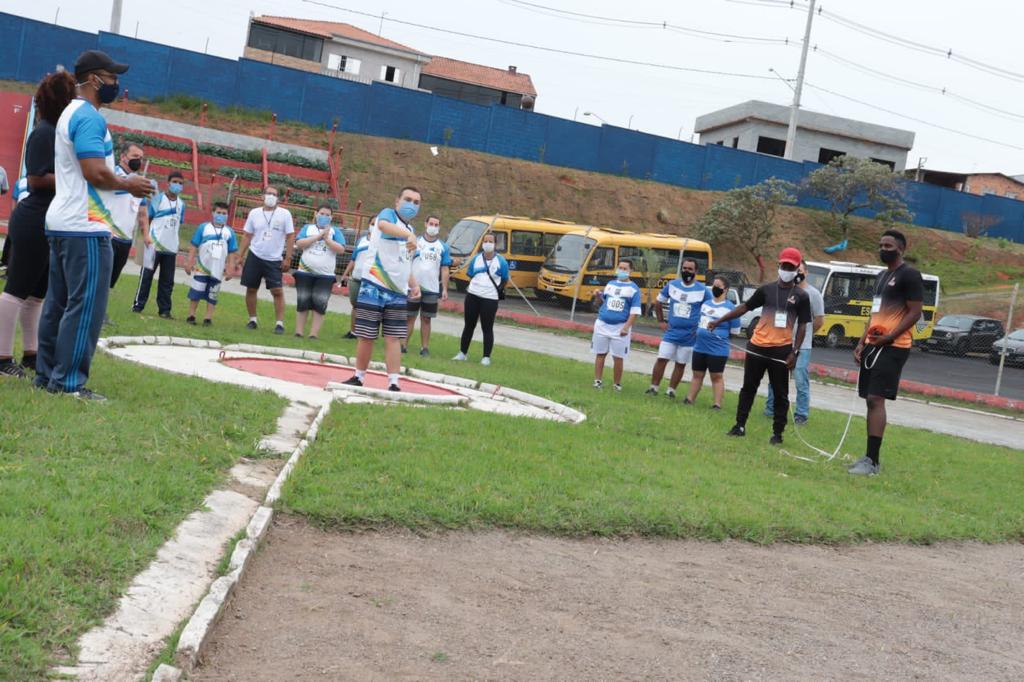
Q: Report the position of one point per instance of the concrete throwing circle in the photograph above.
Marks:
(317, 378)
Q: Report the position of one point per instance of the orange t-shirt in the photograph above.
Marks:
(893, 290)
(771, 299)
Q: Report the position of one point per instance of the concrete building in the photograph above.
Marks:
(345, 51)
(1000, 184)
(757, 126)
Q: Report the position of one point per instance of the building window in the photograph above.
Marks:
(721, 143)
(1010, 195)
(890, 164)
(340, 62)
(389, 74)
(826, 155)
(771, 145)
(284, 42)
(735, 143)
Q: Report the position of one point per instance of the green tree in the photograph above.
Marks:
(849, 184)
(746, 216)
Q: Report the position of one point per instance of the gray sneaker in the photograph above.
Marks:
(864, 467)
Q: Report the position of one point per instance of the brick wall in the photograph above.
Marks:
(281, 60)
(993, 183)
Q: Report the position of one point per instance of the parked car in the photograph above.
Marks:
(1014, 344)
(962, 334)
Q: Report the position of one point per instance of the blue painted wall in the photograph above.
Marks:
(30, 49)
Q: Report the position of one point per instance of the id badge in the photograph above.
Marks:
(681, 310)
(267, 235)
(876, 304)
(781, 320)
(217, 250)
(704, 322)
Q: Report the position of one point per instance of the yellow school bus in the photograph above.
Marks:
(584, 261)
(524, 242)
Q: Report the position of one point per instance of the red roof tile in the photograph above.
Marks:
(489, 77)
(330, 29)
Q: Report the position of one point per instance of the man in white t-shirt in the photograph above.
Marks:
(801, 373)
(431, 267)
(268, 232)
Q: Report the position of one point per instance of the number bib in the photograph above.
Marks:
(217, 249)
(616, 304)
(876, 304)
(704, 322)
(781, 320)
(681, 309)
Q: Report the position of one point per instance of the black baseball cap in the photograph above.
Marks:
(95, 60)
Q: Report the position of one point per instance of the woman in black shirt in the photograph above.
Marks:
(28, 270)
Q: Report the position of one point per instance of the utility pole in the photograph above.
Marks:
(795, 110)
(115, 16)
(1006, 340)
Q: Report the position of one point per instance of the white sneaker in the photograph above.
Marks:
(460, 357)
(618, 387)
(485, 361)
(598, 383)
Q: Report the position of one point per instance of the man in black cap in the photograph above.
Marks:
(78, 227)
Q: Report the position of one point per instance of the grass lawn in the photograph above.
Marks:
(89, 492)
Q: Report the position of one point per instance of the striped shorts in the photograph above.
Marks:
(380, 309)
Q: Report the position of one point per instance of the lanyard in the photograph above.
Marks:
(880, 287)
(270, 219)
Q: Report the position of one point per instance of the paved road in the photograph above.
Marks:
(972, 373)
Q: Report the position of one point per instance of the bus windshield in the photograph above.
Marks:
(569, 253)
(816, 276)
(464, 235)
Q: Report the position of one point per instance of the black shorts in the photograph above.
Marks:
(702, 362)
(29, 267)
(883, 377)
(312, 293)
(426, 305)
(257, 270)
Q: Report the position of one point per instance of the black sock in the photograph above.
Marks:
(874, 445)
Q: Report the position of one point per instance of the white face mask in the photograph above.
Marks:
(488, 247)
(433, 230)
(270, 200)
(787, 275)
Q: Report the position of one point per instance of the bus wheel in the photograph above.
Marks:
(751, 327)
(836, 335)
(543, 295)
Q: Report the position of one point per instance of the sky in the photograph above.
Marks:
(886, 83)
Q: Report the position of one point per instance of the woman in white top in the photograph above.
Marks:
(488, 274)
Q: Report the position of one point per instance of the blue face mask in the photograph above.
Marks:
(323, 221)
(220, 218)
(408, 210)
(622, 274)
(176, 187)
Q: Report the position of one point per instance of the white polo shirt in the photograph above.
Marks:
(269, 229)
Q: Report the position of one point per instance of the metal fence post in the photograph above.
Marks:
(1009, 330)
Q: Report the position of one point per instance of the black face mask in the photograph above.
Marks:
(134, 165)
(687, 277)
(717, 291)
(888, 257)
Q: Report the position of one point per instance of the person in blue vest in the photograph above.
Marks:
(620, 305)
(212, 257)
(166, 214)
(711, 351)
(683, 297)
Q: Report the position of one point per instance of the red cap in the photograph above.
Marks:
(791, 256)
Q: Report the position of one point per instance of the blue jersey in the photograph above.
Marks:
(684, 304)
(621, 299)
(716, 342)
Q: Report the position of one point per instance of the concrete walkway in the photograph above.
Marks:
(954, 421)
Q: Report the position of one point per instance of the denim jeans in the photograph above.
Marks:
(802, 379)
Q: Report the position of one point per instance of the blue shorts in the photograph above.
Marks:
(204, 288)
(380, 309)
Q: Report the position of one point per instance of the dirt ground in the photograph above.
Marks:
(505, 606)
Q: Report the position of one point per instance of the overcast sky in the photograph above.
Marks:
(665, 101)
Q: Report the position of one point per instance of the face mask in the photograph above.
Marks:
(323, 221)
(622, 274)
(888, 256)
(488, 247)
(270, 200)
(687, 277)
(220, 218)
(787, 275)
(175, 187)
(433, 230)
(108, 92)
(134, 165)
(717, 291)
(408, 210)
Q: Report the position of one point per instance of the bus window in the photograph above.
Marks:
(816, 276)
(526, 243)
(464, 235)
(603, 259)
(864, 287)
(569, 254)
(931, 292)
(550, 241)
(500, 241)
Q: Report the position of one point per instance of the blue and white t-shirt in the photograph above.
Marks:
(213, 245)
(78, 209)
(389, 260)
(360, 256)
(717, 342)
(21, 190)
(125, 210)
(621, 299)
(165, 217)
(485, 276)
(317, 259)
(430, 257)
(683, 310)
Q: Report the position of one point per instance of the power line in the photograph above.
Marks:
(912, 118)
(542, 48)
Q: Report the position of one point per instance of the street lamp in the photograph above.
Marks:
(591, 113)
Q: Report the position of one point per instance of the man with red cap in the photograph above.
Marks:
(775, 343)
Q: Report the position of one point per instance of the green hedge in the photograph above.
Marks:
(299, 183)
(150, 141)
(244, 155)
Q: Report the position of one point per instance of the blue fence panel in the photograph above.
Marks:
(572, 144)
(518, 134)
(210, 78)
(270, 88)
(679, 163)
(1012, 213)
(394, 111)
(44, 46)
(726, 168)
(327, 98)
(626, 152)
(150, 64)
(459, 124)
(952, 207)
(923, 200)
(767, 166)
(11, 28)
